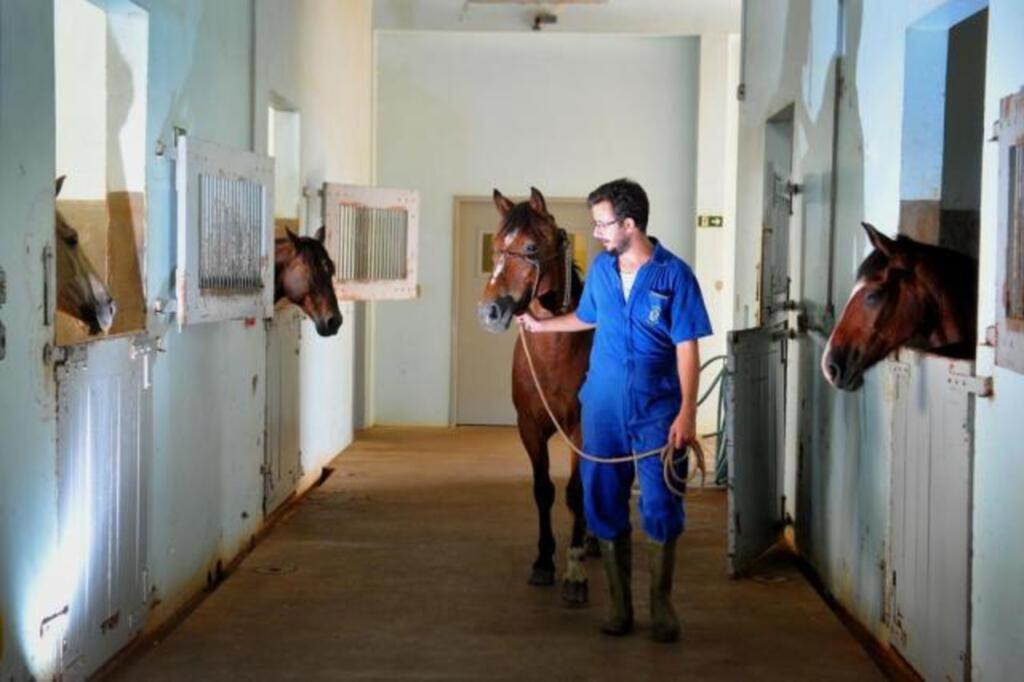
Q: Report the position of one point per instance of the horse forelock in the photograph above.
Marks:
(524, 220)
(873, 266)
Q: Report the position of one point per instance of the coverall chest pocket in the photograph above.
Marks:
(656, 314)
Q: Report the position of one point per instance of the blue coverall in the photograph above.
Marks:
(631, 394)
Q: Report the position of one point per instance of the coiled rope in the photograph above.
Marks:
(673, 481)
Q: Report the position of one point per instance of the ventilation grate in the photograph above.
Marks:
(231, 233)
(372, 243)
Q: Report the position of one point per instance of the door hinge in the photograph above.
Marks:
(981, 386)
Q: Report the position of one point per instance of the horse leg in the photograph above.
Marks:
(543, 571)
(574, 583)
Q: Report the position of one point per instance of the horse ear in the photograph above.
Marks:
(878, 240)
(504, 205)
(537, 202)
(60, 183)
(321, 234)
(292, 237)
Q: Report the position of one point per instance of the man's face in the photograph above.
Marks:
(608, 230)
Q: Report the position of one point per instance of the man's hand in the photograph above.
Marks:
(528, 322)
(683, 429)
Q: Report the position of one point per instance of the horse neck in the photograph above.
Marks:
(954, 308)
(284, 253)
(553, 299)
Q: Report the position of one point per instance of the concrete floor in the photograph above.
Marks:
(410, 563)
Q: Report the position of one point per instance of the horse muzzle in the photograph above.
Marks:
(328, 326)
(495, 316)
(842, 369)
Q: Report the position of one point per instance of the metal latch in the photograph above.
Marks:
(981, 386)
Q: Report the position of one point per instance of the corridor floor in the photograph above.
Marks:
(410, 563)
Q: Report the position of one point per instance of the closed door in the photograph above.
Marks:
(483, 361)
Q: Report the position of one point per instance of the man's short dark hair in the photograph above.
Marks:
(628, 200)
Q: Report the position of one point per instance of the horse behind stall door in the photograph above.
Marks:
(907, 294)
(533, 271)
(302, 274)
(80, 291)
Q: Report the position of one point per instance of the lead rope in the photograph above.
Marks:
(673, 481)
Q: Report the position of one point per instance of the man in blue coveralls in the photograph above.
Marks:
(640, 392)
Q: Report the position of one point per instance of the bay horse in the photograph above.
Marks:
(907, 294)
(534, 271)
(302, 274)
(80, 291)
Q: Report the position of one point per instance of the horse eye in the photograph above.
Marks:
(531, 248)
(873, 297)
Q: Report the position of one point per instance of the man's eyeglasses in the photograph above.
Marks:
(599, 225)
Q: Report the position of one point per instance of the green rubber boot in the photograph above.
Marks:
(617, 557)
(664, 622)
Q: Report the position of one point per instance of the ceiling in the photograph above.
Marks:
(657, 17)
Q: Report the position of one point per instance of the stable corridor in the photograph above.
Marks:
(410, 562)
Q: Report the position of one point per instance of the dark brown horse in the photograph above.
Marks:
(80, 291)
(533, 271)
(302, 274)
(907, 294)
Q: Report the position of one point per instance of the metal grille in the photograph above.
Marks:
(371, 244)
(1015, 235)
(231, 231)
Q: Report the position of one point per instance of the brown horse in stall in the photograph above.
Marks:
(533, 271)
(80, 291)
(907, 294)
(302, 274)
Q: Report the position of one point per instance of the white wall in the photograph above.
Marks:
(317, 56)
(28, 485)
(842, 505)
(716, 195)
(465, 113)
(998, 568)
(843, 513)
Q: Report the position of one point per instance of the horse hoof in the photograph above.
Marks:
(592, 546)
(575, 593)
(542, 576)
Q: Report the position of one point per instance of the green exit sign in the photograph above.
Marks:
(710, 221)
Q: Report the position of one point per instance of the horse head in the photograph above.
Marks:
(532, 257)
(906, 294)
(80, 291)
(302, 274)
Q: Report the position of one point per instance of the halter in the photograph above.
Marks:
(535, 262)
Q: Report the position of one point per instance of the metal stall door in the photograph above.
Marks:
(104, 443)
(282, 466)
(932, 453)
(755, 425)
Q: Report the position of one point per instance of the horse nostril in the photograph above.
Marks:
(834, 370)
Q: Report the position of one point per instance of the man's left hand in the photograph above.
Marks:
(683, 429)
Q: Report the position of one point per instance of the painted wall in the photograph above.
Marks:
(837, 465)
(317, 58)
(998, 568)
(28, 486)
(715, 249)
(841, 471)
(465, 113)
(209, 396)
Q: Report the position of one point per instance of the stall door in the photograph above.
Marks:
(754, 444)
(932, 468)
(282, 463)
(104, 442)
